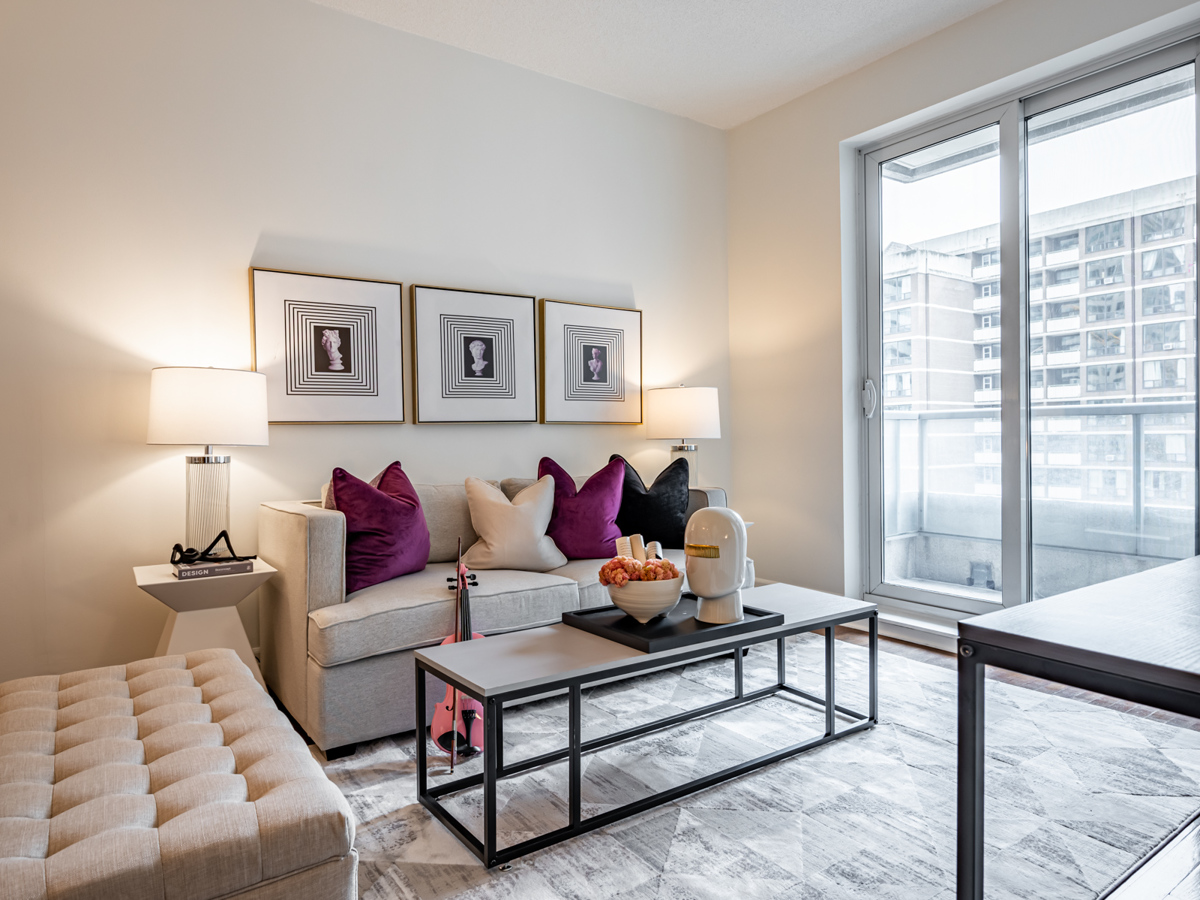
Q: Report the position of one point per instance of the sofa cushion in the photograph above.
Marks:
(659, 512)
(418, 610)
(386, 534)
(449, 518)
(512, 533)
(586, 574)
(584, 524)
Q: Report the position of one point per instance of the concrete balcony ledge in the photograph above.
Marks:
(1058, 257)
(1070, 323)
(1062, 391)
(1057, 291)
(1063, 358)
(987, 365)
(987, 334)
(986, 271)
(992, 396)
(983, 304)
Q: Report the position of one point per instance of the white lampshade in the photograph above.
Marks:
(207, 406)
(682, 412)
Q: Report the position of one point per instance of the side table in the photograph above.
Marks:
(203, 612)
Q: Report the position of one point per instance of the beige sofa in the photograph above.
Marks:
(173, 777)
(343, 665)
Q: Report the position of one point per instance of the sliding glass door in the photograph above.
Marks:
(1005, 470)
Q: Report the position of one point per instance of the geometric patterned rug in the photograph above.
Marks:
(1076, 794)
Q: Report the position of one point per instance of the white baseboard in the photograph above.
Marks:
(939, 635)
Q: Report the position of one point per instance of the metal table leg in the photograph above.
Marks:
(422, 742)
(873, 668)
(970, 773)
(830, 700)
(491, 743)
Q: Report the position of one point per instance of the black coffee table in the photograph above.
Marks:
(538, 661)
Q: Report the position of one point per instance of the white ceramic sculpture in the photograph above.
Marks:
(595, 364)
(715, 543)
(477, 348)
(331, 340)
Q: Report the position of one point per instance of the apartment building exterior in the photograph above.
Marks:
(1112, 382)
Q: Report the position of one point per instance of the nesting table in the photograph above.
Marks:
(1136, 638)
(524, 664)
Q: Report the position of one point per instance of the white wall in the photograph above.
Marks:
(792, 296)
(150, 152)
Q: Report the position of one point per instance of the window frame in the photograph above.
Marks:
(1017, 477)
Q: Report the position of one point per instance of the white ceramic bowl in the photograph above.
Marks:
(646, 599)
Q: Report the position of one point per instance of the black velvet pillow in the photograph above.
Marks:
(660, 512)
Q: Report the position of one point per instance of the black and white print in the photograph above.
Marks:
(594, 363)
(475, 356)
(592, 368)
(331, 347)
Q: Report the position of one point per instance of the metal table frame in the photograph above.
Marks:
(973, 658)
(495, 768)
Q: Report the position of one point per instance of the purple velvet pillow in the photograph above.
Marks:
(584, 524)
(386, 534)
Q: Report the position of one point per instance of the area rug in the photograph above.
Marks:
(1076, 794)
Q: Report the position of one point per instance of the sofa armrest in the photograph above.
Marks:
(307, 545)
(698, 498)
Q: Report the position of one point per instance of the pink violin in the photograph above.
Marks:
(458, 720)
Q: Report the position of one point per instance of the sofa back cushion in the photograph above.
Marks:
(659, 512)
(449, 518)
(512, 533)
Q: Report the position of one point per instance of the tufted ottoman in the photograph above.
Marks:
(173, 778)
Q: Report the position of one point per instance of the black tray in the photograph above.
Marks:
(678, 628)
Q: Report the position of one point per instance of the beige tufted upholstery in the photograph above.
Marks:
(173, 778)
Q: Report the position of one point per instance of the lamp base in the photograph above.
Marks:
(690, 452)
(207, 499)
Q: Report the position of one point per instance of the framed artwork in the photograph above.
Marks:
(330, 347)
(474, 356)
(591, 364)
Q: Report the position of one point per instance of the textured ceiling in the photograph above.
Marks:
(721, 62)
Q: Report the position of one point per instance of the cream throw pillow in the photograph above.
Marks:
(512, 535)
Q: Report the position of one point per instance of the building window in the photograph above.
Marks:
(896, 290)
(897, 321)
(1166, 486)
(1106, 271)
(1062, 377)
(986, 383)
(1102, 307)
(1035, 248)
(1067, 275)
(1162, 336)
(1110, 342)
(1108, 484)
(1064, 309)
(898, 385)
(1106, 378)
(1102, 448)
(1035, 280)
(989, 321)
(1108, 236)
(1037, 378)
(1062, 343)
(989, 258)
(1159, 226)
(1035, 313)
(1035, 345)
(991, 289)
(1167, 448)
(1160, 373)
(1060, 242)
(1164, 298)
(897, 353)
(1168, 261)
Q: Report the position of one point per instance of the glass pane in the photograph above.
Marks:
(1112, 179)
(940, 303)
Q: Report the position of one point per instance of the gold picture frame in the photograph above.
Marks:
(331, 346)
(591, 371)
(475, 358)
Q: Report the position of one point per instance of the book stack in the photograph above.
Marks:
(213, 567)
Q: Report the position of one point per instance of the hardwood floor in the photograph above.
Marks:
(1173, 873)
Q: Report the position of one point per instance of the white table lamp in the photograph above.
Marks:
(683, 414)
(210, 407)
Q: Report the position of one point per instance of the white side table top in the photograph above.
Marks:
(200, 593)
